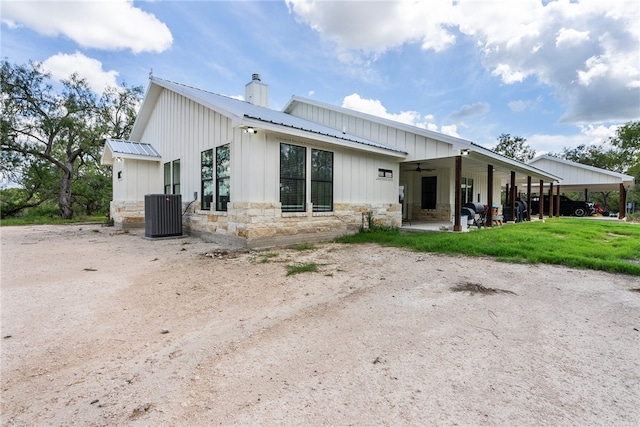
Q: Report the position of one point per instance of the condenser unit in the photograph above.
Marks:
(163, 215)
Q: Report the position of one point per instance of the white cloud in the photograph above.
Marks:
(553, 42)
(62, 66)
(375, 27)
(451, 130)
(100, 24)
(570, 37)
(595, 68)
(467, 111)
(589, 135)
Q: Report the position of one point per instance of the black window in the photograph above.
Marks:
(172, 177)
(466, 190)
(176, 176)
(223, 181)
(167, 178)
(322, 180)
(206, 179)
(429, 192)
(292, 178)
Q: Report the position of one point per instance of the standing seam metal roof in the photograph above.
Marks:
(245, 110)
(119, 146)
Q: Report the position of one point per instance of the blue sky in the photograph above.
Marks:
(558, 73)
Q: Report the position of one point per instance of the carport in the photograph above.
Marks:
(577, 177)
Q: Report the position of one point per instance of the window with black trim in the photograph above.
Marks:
(172, 177)
(223, 177)
(322, 180)
(466, 190)
(429, 192)
(293, 165)
(175, 165)
(206, 179)
(167, 178)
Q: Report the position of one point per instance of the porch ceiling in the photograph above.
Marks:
(477, 163)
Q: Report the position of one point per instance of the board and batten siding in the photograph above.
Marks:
(182, 129)
(416, 146)
(574, 175)
(132, 179)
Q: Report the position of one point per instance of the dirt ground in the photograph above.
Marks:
(104, 328)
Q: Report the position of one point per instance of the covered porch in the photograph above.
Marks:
(434, 190)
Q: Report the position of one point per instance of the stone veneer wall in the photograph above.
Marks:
(442, 212)
(257, 225)
(127, 214)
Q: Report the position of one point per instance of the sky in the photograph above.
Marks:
(557, 73)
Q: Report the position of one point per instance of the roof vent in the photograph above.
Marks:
(255, 77)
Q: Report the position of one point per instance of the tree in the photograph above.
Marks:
(627, 145)
(514, 147)
(64, 130)
(598, 156)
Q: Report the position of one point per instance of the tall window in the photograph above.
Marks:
(172, 177)
(322, 180)
(206, 179)
(292, 177)
(429, 192)
(176, 176)
(466, 190)
(223, 173)
(167, 178)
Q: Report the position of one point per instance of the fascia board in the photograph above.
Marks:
(286, 131)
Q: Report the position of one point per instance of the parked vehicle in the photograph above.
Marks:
(601, 211)
(568, 207)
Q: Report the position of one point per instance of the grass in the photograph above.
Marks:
(264, 258)
(598, 245)
(47, 220)
(305, 246)
(310, 267)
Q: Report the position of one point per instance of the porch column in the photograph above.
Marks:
(489, 222)
(622, 209)
(551, 200)
(528, 198)
(512, 197)
(541, 201)
(586, 194)
(457, 205)
(557, 204)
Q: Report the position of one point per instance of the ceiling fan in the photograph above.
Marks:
(419, 169)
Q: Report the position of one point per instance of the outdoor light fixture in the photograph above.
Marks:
(464, 152)
(250, 130)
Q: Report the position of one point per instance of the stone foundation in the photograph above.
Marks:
(442, 212)
(259, 225)
(127, 215)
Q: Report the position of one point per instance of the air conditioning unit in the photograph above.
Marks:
(163, 215)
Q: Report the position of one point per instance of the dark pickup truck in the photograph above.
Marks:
(568, 207)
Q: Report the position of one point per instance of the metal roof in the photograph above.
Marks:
(119, 146)
(242, 110)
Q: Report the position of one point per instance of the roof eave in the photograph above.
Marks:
(302, 133)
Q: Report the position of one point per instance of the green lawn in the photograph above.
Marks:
(597, 245)
(39, 220)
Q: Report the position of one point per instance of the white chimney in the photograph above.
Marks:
(257, 92)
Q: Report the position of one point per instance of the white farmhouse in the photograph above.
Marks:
(252, 176)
